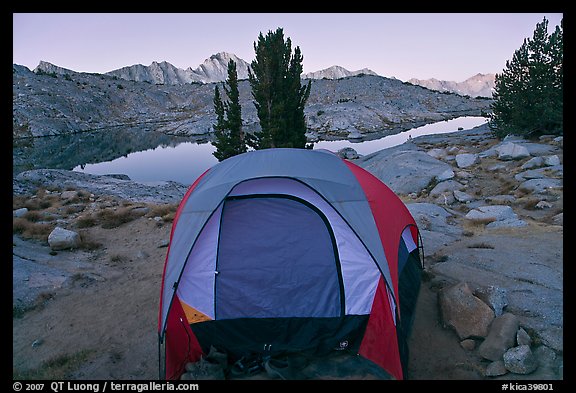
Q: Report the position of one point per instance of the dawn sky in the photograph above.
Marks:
(445, 46)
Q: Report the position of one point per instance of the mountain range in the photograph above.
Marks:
(479, 85)
(215, 69)
(54, 101)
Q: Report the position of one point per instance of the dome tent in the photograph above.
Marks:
(288, 250)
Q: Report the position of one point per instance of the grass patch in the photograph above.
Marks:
(39, 302)
(521, 191)
(18, 201)
(530, 203)
(86, 243)
(110, 218)
(118, 258)
(472, 227)
(38, 202)
(479, 222)
(31, 230)
(46, 203)
(481, 245)
(73, 209)
(167, 212)
(86, 222)
(506, 184)
(57, 368)
(437, 258)
(32, 216)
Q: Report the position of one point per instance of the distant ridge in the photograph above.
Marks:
(336, 72)
(215, 69)
(479, 85)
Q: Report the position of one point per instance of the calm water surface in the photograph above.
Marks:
(188, 160)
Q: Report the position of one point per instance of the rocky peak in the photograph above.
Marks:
(479, 85)
(336, 72)
(50, 68)
(215, 68)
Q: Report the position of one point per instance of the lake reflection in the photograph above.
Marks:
(148, 156)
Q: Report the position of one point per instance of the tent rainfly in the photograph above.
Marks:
(289, 250)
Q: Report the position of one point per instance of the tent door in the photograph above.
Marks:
(277, 258)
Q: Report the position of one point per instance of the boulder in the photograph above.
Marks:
(348, 153)
(520, 360)
(495, 369)
(495, 297)
(539, 186)
(464, 312)
(468, 344)
(432, 217)
(437, 153)
(543, 205)
(19, 212)
(534, 162)
(511, 151)
(492, 212)
(491, 152)
(464, 175)
(551, 160)
(537, 149)
(462, 197)
(467, 159)
(530, 174)
(522, 338)
(448, 185)
(502, 335)
(63, 239)
(446, 175)
(507, 223)
(445, 198)
(404, 171)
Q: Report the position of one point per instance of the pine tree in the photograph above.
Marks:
(528, 96)
(274, 77)
(230, 139)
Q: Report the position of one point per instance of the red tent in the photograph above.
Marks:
(288, 250)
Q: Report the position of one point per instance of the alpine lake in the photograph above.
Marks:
(148, 156)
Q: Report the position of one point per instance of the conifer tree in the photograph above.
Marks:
(230, 139)
(274, 77)
(528, 96)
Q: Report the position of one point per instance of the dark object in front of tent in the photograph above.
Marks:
(213, 366)
(244, 337)
(343, 365)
